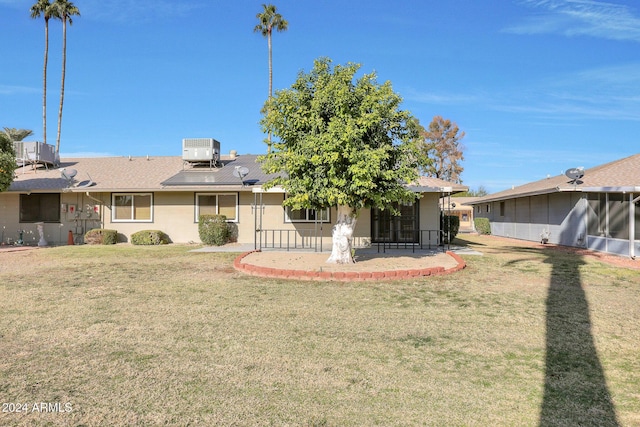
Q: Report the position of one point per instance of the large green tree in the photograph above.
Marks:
(7, 154)
(7, 161)
(63, 10)
(43, 8)
(441, 142)
(341, 142)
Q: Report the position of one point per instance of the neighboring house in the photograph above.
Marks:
(130, 194)
(460, 207)
(599, 210)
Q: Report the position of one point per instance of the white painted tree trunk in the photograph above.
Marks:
(343, 236)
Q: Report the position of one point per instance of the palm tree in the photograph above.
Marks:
(16, 135)
(63, 10)
(10, 135)
(43, 7)
(269, 20)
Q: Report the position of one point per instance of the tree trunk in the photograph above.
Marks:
(343, 236)
(44, 78)
(64, 64)
(270, 86)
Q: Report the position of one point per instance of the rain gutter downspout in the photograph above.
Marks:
(632, 225)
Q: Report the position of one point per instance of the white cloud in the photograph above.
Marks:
(581, 18)
(441, 98)
(13, 90)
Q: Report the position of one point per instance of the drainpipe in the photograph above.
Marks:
(632, 225)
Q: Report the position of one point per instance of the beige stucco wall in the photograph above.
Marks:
(273, 218)
(78, 222)
(429, 210)
(174, 213)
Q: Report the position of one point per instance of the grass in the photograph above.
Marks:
(160, 335)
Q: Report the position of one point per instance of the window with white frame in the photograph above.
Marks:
(217, 204)
(306, 215)
(132, 207)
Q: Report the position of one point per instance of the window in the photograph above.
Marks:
(40, 207)
(306, 215)
(217, 204)
(618, 209)
(488, 208)
(132, 207)
(608, 215)
(501, 208)
(403, 227)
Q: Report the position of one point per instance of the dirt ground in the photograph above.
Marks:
(317, 261)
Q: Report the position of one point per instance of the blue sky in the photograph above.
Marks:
(538, 86)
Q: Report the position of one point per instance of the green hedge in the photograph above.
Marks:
(213, 229)
(149, 237)
(482, 225)
(451, 221)
(101, 236)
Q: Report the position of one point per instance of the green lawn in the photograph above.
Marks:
(126, 335)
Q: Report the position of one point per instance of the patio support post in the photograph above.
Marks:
(632, 225)
(449, 221)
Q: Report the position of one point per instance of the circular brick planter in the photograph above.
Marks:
(345, 276)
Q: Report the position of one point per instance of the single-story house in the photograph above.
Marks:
(596, 208)
(460, 207)
(129, 194)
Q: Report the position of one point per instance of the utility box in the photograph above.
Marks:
(91, 212)
(72, 212)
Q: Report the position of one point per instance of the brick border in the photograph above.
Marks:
(344, 276)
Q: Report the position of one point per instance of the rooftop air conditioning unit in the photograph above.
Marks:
(35, 152)
(200, 150)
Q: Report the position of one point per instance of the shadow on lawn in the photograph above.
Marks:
(575, 388)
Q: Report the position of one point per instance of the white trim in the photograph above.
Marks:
(271, 190)
(133, 195)
(196, 204)
(289, 220)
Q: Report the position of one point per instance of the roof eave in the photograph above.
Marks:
(488, 199)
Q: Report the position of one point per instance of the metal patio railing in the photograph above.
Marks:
(287, 239)
(409, 239)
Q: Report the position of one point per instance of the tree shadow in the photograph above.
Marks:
(575, 388)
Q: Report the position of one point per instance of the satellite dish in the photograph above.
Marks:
(68, 174)
(240, 172)
(574, 174)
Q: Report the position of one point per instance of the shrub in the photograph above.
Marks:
(213, 229)
(149, 237)
(100, 236)
(450, 224)
(482, 225)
